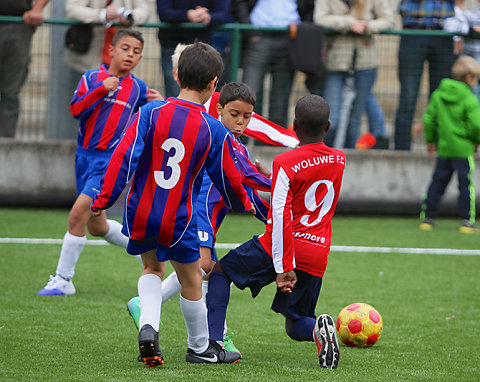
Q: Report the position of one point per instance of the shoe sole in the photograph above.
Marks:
(147, 354)
(426, 227)
(469, 230)
(325, 336)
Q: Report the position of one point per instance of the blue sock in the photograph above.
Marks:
(302, 329)
(217, 301)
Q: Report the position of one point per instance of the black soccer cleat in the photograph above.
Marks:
(214, 354)
(325, 336)
(150, 353)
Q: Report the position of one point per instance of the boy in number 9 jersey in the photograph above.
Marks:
(294, 249)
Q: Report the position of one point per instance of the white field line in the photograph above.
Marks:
(334, 248)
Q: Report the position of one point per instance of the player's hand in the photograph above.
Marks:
(286, 281)
(154, 95)
(111, 13)
(33, 17)
(253, 211)
(111, 83)
(262, 169)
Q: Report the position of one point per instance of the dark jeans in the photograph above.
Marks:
(444, 169)
(412, 54)
(15, 41)
(269, 53)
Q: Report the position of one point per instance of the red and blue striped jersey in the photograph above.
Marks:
(211, 207)
(104, 114)
(164, 151)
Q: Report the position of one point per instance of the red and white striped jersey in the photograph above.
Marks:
(305, 188)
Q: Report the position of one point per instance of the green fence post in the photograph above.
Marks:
(235, 47)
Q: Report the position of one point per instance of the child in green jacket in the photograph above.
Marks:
(452, 128)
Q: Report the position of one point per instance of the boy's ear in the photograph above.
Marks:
(328, 125)
(219, 109)
(212, 85)
(110, 50)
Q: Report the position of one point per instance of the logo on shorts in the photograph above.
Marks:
(203, 236)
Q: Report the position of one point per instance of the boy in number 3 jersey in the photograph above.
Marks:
(165, 151)
(294, 249)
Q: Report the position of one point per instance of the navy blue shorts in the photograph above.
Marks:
(250, 266)
(90, 165)
(164, 253)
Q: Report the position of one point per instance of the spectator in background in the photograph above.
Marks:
(15, 41)
(413, 51)
(207, 12)
(467, 23)
(351, 53)
(268, 51)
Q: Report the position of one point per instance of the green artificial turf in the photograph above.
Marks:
(91, 337)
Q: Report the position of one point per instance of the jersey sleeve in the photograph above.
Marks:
(270, 133)
(251, 177)
(261, 205)
(86, 98)
(281, 214)
(124, 161)
(220, 165)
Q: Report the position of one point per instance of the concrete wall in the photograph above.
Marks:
(42, 174)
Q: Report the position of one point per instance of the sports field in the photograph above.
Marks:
(429, 302)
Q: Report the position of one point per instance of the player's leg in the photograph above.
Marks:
(440, 179)
(150, 296)
(72, 246)
(246, 266)
(466, 196)
(301, 324)
(200, 349)
(110, 229)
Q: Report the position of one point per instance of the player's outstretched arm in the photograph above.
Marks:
(87, 97)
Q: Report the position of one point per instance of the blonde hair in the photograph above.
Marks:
(176, 55)
(464, 66)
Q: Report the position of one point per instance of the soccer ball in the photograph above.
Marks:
(359, 325)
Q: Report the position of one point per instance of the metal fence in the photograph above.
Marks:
(38, 94)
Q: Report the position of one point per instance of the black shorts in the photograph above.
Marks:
(250, 266)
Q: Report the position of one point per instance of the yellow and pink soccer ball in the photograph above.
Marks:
(359, 325)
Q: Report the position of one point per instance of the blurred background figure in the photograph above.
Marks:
(268, 51)
(15, 41)
(413, 51)
(351, 54)
(207, 12)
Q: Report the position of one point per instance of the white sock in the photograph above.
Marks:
(195, 315)
(225, 329)
(170, 287)
(72, 247)
(150, 294)
(115, 235)
(204, 290)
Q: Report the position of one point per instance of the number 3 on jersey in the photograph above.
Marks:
(172, 163)
(311, 202)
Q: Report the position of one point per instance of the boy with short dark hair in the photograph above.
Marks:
(104, 101)
(164, 151)
(452, 128)
(294, 249)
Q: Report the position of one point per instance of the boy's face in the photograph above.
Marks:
(235, 116)
(471, 80)
(126, 54)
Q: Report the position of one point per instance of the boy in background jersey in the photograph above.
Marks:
(165, 151)
(294, 249)
(104, 101)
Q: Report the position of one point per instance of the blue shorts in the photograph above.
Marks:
(250, 266)
(164, 253)
(90, 166)
(206, 240)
